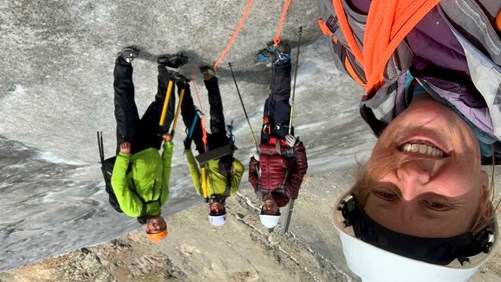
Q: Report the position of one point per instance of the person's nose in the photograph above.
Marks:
(413, 172)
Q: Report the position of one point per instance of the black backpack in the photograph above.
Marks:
(107, 168)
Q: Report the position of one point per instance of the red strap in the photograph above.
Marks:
(273, 140)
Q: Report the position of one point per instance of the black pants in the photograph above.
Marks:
(141, 133)
(277, 108)
(217, 137)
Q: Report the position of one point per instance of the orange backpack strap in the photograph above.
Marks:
(498, 21)
(388, 22)
(323, 27)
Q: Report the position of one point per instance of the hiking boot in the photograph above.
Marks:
(282, 53)
(265, 54)
(129, 54)
(179, 77)
(207, 72)
(172, 62)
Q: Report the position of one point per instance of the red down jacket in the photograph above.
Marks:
(274, 166)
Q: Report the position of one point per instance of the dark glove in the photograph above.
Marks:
(187, 143)
(280, 191)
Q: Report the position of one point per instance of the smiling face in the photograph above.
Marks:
(427, 165)
(216, 208)
(155, 225)
(269, 205)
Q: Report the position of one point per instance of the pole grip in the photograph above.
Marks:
(204, 184)
(166, 102)
(178, 110)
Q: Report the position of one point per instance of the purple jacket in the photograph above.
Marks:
(449, 55)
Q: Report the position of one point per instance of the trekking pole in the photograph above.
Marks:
(295, 76)
(291, 203)
(100, 146)
(166, 102)
(178, 110)
(243, 106)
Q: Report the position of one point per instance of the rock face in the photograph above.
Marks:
(64, 51)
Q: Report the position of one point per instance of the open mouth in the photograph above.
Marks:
(423, 148)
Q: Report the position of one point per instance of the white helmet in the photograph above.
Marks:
(217, 220)
(269, 221)
(373, 263)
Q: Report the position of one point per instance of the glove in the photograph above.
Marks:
(256, 155)
(187, 143)
(291, 140)
(281, 191)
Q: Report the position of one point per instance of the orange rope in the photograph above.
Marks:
(388, 23)
(345, 28)
(202, 119)
(235, 33)
(276, 40)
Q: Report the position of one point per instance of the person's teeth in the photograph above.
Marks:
(406, 147)
(422, 149)
(415, 148)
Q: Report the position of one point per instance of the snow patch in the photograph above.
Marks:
(52, 158)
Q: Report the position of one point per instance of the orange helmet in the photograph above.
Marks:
(157, 237)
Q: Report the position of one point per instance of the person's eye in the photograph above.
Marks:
(436, 205)
(384, 195)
